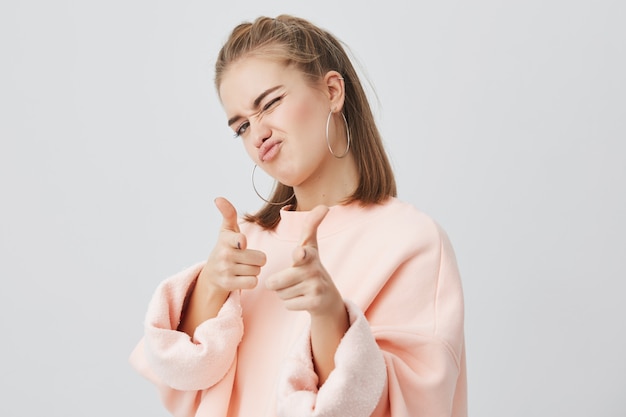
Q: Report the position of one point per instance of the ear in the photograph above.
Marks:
(335, 89)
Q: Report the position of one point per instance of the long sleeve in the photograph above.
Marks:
(351, 389)
(424, 343)
(406, 358)
(180, 366)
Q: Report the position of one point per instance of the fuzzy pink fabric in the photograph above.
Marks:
(298, 393)
(203, 362)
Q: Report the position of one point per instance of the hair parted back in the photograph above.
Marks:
(314, 51)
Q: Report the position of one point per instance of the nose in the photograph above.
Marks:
(260, 132)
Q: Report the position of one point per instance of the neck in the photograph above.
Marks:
(334, 182)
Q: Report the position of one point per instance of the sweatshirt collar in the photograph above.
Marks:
(339, 217)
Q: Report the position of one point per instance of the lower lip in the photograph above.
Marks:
(271, 153)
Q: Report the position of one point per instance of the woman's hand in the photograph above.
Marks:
(230, 266)
(307, 286)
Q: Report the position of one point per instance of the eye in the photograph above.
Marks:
(242, 129)
(271, 103)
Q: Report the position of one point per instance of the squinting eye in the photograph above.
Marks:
(242, 129)
(271, 103)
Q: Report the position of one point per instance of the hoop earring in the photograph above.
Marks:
(347, 135)
(262, 198)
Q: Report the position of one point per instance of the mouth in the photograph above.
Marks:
(269, 149)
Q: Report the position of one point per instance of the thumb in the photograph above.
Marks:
(229, 214)
(311, 223)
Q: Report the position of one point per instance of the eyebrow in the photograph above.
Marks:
(255, 103)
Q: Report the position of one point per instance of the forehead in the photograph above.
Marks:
(246, 78)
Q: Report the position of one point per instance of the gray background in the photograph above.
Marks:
(505, 121)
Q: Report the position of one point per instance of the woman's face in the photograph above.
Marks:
(279, 116)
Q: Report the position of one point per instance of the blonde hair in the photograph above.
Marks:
(314, 51)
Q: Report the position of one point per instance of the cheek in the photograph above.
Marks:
(305, 115)
(308, 131)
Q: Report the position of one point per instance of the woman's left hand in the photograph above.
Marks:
(306, 285)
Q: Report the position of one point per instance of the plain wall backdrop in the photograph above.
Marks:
(505, 121)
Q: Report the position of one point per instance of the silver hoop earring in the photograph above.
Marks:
(262, 198)
(347, 135)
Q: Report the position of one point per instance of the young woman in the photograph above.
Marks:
(336, 298)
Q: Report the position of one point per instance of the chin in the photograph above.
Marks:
(286, 179)
(287, 183)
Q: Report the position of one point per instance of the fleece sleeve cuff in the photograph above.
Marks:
(352, 389)
(177, 360)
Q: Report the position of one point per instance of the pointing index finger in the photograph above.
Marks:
(311, 224)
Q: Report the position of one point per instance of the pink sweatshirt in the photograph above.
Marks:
(403, 354)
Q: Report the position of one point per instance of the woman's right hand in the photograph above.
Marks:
(230, 266)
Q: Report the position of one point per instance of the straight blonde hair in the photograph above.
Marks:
(314, 51)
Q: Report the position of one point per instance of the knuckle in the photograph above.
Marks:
(225, 255)
(221, 266)
(318, 290)
(248, 282)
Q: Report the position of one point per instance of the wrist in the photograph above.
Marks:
(209, 292)
(336, 317)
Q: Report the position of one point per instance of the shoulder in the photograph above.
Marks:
(406, 210)
(404, 219)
